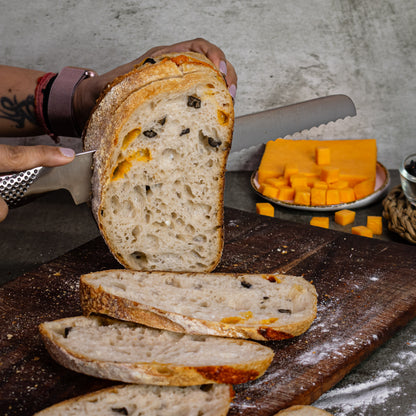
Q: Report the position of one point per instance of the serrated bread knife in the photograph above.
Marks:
(250, 133)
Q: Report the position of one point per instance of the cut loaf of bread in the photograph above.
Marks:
(162, 135)
(303, 410)
(131, 353)
(145, 400)
(256, 306)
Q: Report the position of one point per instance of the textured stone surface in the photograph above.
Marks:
(284, 52)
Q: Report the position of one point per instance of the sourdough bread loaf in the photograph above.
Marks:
(162, 134)
(256, 306)
(131, 353)
(145, 400)
(303, 410)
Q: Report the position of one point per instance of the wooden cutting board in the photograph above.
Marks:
(366, 287)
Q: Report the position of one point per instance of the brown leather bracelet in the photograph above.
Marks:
(60, 103)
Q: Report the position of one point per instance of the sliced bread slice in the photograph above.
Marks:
(256, 306)
(162, 133)
(131, 353)
(146, 400)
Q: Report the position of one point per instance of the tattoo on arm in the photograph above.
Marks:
(18, 112)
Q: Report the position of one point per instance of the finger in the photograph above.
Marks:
(4, 209)
(17, 158)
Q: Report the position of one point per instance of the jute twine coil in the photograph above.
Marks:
(400, 214)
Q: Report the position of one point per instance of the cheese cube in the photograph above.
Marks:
(290, 169)
(276, 182)
(332, 197)
(346, 195)
(270, 191)
(286, 193)
(318, 196)
(320, 184)
(364, 188)
(320, 222)
(362, 230)
(264, 208)
(338, 185)
(302, 197)
(330, 174)
(344, 217)
(298, 180)
(375, 224)
(323, 155)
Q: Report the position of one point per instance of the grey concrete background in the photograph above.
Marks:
(283, 51)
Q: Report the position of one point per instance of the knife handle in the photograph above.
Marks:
(13, 187)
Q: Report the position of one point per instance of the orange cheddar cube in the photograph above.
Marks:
(320, 222)
(297, 180)
(347, 195)
(332, 197)
(362, 230)
(364, 188)
(264, 208)
(338, 185)
(320, 185)
(323, 155)
(330, 174)
(290, 169)
(344, 217)
(318, 196)
(375, 224)
(302, 197)
(270, 191)
(276, 182)
(286, 193)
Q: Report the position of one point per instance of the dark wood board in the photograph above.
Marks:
(366, 287)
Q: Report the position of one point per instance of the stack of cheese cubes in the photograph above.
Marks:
(318, 172)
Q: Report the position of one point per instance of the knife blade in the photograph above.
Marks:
(250, 133)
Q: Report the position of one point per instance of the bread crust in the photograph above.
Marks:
(155, 373)
(97, 300)
(110, 122)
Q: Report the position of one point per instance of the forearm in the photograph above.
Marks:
(17, 102)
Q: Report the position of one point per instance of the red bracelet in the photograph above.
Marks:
(60, 113)
(41, 98)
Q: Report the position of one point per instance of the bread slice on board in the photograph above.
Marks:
(131, 353)
(256, 306)
(162, 133)
(303, 410)
(145, 400)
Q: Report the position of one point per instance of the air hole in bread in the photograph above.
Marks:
(194, 101)
(139, 256)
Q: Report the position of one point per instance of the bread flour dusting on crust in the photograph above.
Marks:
(162, 133)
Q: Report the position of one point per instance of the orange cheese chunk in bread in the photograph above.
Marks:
(332, 197)
(346, 195)
(362, 230)
(323, 155)
(344, 217)
(322, 222)
(375, 224)
(264, 208)
(318, 196)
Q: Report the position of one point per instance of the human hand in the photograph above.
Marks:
(90, 88)
(20, 158)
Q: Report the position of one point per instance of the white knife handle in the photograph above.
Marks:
(13, 187)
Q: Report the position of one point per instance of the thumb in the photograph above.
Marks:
(17, 158)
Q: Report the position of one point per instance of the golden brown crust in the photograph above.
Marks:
(98, 301)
